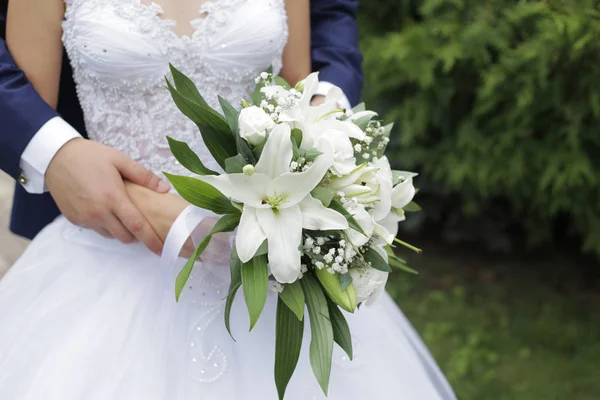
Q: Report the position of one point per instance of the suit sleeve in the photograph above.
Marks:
(335, 47)
(22, 111)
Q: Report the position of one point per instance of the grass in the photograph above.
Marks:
(507, 328)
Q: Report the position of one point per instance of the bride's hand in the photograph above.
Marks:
(161, 211)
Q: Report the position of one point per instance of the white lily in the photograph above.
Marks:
(403, 192)
(278, 205)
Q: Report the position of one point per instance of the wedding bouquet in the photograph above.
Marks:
(315, 204)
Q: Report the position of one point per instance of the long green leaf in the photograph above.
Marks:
(321, 344)
(215, 131)
(376, 261)
(255, 282)
(231, 114)
(188, 158)
(235, 269)
(227, 223)
(201, 194)
(341, 331)
(186, 87)
(293, 297)
(288, 343)
(337, 206)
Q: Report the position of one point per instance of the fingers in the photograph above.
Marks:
(116, 229)
(103, 232)
(136, 173)
(135, 222)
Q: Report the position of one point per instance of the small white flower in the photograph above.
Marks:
(264, 75)
(277, 287)
(320, 241)
(317, 250)
(304, 268)
(319, 264)
(357, 147)
(366, 156)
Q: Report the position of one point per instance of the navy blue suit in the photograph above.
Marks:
(335, 54)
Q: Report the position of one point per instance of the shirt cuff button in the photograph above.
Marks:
(22, 179)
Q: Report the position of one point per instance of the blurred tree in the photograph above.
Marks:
(497, 103)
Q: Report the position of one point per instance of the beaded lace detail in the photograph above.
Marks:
(121, 49)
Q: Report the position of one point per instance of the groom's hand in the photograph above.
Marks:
(85, 179)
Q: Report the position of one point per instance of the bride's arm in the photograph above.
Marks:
(35, 24)
(296, 56)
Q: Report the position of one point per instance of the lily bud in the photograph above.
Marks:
(245, 104)
(299, 86)
(248, 169)
(333, 287)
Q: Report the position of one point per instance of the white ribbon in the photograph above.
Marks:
(183, 227)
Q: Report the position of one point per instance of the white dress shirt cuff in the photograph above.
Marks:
(40, 151)
(325, 87)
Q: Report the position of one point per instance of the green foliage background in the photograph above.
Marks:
(497, 104)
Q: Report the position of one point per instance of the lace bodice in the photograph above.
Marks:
(121, 49)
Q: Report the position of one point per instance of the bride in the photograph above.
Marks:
(84, 317)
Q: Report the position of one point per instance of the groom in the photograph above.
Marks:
(58, 171)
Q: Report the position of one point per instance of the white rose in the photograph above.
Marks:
(254, 124)
(369, 283)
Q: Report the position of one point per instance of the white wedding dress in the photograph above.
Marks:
(88, 318)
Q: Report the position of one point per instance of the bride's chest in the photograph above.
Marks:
(117, 40)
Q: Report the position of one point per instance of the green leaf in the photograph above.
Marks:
(293, 297)
(282, 82)
(341, 330)
(337, 206)
(255, 282)
(201, 194)
(186, 87)
(376, 261)
(245, 150)
(263, 249)
(324, 195)
(321, 344)
(215, 131)
(345, 281)
(227, 223)
(188, 158)
(235, 268)
(231, 114)
(363, 122)
(257, 95)
(412, 207)
(297, 136)
(359, 108)
(234, 165)
(288, 343)
(387, 129)
(397, 262)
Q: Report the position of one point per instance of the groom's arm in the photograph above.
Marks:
(31, 132)
(335, 48)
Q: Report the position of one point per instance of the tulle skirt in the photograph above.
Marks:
(88, 318)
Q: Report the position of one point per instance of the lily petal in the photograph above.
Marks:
(277, 153)
(316, 216)
(250, 190)
(295, 186)
(365, 220)
(250, 235)
(311, 84)
(284, 235)
(403, 193)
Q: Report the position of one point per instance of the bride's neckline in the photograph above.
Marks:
(205, 10)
